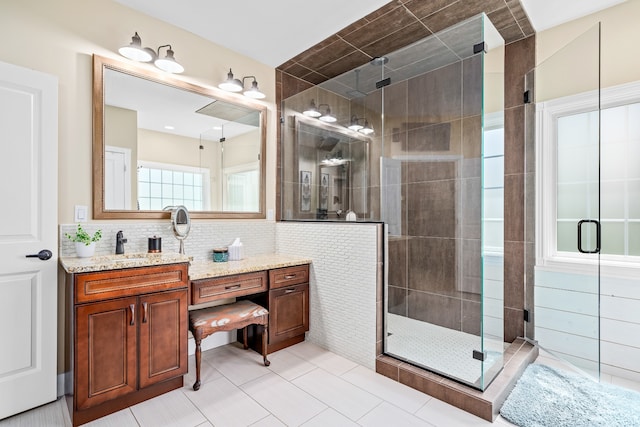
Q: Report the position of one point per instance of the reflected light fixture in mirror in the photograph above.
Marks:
(356, 126)
(312, 111)
(327, 116)
(136, 52)
(236, 85)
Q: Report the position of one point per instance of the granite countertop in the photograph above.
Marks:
(197, 269)
(114, 262)
(208, 269)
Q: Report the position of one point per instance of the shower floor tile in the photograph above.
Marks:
(440, 349)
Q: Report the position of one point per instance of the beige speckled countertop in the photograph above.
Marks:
(114, 262)
(197, 269)
(207, 269)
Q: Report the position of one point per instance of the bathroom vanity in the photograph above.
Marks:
(128, 319)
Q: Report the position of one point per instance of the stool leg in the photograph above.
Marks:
(265, 335)
(244, 338)
(196, 385)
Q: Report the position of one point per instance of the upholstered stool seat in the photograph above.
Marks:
(237, 315)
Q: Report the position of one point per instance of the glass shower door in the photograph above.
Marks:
(567, 272)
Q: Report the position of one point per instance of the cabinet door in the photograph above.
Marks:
(163, 336)
(288, 312)
(106, 350)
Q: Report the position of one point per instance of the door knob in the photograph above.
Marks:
(44, 255)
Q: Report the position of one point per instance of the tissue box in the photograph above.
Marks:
(235, 253)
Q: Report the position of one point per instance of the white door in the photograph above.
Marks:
(117, 178)
(28, 225)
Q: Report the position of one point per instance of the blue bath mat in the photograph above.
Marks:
(545, 396)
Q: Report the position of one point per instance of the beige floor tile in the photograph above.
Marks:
(288, 403)
(122, 418)
(238, 365)
(385, 388)
(207, 372)
(168, 410)
(50, 415)
(330, 417)
(337, 393)
(288, 365)
(269, 421)
(224, 404)
(386, 415)
(322, 358)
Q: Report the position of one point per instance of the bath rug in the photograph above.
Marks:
(545, 396)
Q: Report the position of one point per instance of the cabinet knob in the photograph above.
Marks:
(144, 312)
(290, 276)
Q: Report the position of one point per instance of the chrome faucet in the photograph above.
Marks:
(120, 241)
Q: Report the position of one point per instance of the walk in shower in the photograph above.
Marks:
(415, 139)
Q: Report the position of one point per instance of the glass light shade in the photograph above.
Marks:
(231, 84)
(366, 129)
(135, 51)
(329, 118)
(312, 112)
(355, 125)
(169, 64)
(254, 92)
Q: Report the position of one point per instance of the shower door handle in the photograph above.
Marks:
(589, 221)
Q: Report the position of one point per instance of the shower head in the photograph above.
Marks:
(379, 60)
(357, 93)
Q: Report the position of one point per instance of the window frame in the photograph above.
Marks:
(546, 119)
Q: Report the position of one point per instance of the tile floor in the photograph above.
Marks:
(304, 386)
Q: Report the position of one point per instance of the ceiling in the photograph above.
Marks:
(275, 31)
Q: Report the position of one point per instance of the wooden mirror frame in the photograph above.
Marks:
(99, 211)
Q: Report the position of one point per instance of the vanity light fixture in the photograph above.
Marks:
(312, 111)
(327, 116)
(231, 84)
(355, 124)
(236, 85)
(367, 129)
(168, 63)
(136, 52)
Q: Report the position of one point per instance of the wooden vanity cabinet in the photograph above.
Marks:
(129, 337)
(288, 303)
(288, 306)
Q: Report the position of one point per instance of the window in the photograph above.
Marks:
(161, 185)
(570, 174)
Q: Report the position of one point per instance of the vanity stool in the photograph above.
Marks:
(237, 315)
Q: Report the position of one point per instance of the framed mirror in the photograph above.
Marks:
(160, 141)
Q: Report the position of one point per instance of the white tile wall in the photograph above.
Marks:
(342, 284)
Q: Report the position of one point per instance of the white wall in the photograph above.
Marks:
(59, 37)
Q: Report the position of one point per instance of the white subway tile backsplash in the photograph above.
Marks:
(257, 237)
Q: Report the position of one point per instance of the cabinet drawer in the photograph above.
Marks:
(102, 285)
(206, 290)
(288, 276)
